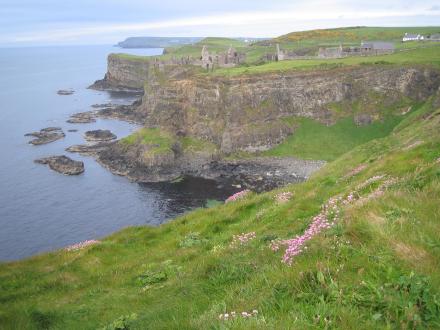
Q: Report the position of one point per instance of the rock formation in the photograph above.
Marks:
(46, 135)
(63, 165)
(99, 135)
(249, 112)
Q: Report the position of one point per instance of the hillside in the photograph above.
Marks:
(354, 34)
(369, 257)
(156, 42)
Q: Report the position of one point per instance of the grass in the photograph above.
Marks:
(160, 140)
(376, 269)
(426, 56)
(355, 34)
(313, 140)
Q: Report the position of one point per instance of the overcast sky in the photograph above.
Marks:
(48, 22)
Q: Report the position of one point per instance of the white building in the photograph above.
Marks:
(413, 37)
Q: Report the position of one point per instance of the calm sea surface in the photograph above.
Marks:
(41, 210)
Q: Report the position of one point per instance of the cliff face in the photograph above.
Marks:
(254, 112)
(251, 112)
(124, 73)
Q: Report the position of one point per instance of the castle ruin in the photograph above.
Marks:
(207, 60)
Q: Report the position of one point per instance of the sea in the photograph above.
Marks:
(41, 210)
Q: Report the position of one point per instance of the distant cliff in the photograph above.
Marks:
(156, 42)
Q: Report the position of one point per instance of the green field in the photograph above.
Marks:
(349, 35)
(429, 56)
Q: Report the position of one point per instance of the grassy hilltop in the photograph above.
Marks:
(367, 254)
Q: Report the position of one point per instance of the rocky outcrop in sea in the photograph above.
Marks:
(46, 135)
(62, 164)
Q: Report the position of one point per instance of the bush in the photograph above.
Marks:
(151, 277)
(122, 323)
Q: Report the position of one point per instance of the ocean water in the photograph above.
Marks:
(41, 210)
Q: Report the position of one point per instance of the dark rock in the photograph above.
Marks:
(89, 149)
(99, 135)
(104, 105)
(363, 119)
(140, 165)
(63, 165)
(82, 118)
(51, 129)
(65, 92)
(72, 130)
(46, 135)
(122, 112)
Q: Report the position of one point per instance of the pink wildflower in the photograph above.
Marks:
(237, 196)
(82, 245)
(283, 197)
(233, 315)
(329, 215)
(355, 171)
(243, 239)
(438, 160)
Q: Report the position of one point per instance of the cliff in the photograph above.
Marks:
(251, 113)
(222, 115)
(124, 72)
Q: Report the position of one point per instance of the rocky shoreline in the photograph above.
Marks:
(258, 174)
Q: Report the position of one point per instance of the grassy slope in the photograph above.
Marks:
(313, 140)
(428, 55)
(354, 34)
(377, 268)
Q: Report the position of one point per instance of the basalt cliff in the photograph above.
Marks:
(248, 113)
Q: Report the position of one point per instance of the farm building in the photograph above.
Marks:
(412, 37)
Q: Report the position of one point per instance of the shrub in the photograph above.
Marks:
(151, 277)
(122, 323)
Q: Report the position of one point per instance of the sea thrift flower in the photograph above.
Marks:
(237, 196)
(370, 181)
(243, 239)
(233, 315)
(355, 171)
(327, 218)
(283, 197)
(82, 245)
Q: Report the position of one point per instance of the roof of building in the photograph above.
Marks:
(378, 45)
(412, 35)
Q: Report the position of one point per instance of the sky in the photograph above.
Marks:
(71, 22)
